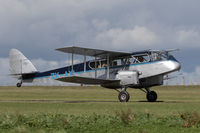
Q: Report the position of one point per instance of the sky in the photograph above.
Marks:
(38, 27)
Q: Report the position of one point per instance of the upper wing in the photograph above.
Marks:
(85, 80)
(93, 52)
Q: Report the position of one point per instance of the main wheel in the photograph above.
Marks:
(151, 96)
(124, 96)
(19, 84)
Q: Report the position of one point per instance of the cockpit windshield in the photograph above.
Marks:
(158, 56)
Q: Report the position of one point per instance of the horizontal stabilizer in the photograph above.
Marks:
(86, 80)
(18, 74)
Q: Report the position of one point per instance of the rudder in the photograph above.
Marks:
(19, 64)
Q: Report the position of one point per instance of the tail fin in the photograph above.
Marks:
(19, 64)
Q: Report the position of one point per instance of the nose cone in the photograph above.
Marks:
(177, 66)
(173, 65)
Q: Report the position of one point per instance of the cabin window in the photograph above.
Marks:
(102, 64)
(92, 64)
(99, 64)
(114, 63)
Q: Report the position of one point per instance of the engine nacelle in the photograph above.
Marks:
(128, 77)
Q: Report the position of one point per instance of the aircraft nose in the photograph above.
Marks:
(175, 65)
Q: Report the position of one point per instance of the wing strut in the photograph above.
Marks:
(72, 63)
(84, 63)
(108, 67)
(95, 67)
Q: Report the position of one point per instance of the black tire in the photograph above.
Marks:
(151, 96)
(123, 96)
(19, 84)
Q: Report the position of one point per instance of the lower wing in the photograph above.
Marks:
(86, 80)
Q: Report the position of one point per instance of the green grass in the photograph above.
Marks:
(83, 104)
(123, 121)
(88, 100)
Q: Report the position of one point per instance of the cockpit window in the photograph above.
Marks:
(149, 57)
(140, 59)
(158, 56)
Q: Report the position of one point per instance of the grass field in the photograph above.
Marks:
(88, 100)
(98, 102)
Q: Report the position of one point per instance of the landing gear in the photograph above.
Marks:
(124, 95)
(151, 95)
(18, 85)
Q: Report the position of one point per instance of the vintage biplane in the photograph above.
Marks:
(109, 69)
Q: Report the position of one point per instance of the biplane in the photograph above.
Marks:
(109, 69)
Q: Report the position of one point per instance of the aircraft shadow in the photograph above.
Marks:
(83, 101)
(163, 101)
(143, 101)
(57, 101)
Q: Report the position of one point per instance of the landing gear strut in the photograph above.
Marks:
(151, 95)
(123, 95)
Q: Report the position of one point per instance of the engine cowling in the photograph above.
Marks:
(128, 77)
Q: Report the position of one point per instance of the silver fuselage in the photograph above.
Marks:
(151, 73)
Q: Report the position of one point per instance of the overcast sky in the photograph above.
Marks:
(37, 27)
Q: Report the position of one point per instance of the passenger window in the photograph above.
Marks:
(92, 64)
(114, 63)
(104, 63)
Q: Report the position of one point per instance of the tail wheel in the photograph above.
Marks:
(124, 96)
(151, 96)
(19, 84)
